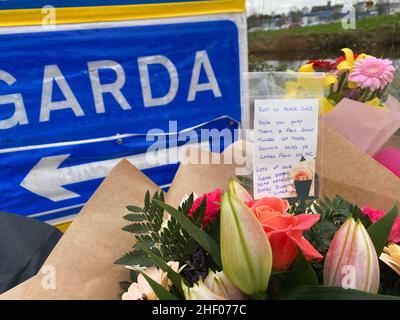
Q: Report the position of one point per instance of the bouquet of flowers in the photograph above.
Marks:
(358, 77)
(228, 246)
(358, 106)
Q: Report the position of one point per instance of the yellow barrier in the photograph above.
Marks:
(32, 17)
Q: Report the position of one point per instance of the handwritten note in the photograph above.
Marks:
(285, 132)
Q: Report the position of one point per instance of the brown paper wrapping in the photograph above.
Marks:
(200, 178)
(83, 259)
(347, 171)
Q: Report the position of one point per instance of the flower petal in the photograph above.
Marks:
(349, 55)
(306, 221)
(284, 251)
(329, 80)
(307, 68)
(309, 252)
(277, 204)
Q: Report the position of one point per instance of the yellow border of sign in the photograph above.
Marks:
(32, 17)
(63, 226)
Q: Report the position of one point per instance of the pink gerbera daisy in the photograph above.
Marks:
(372, 73)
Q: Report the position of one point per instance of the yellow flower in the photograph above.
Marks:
(325, 106)
(391, 257)
(374, 102)
(306, 68)
(329, 80)
(348, 63)
(141, 290)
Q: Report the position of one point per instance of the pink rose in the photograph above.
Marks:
(375, 215)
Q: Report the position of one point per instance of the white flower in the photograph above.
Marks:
(215, 287)
(141, 290)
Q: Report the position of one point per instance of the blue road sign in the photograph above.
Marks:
(76, 100)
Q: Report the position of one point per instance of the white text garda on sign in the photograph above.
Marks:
(52, 73)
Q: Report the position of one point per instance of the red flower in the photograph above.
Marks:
(375, 215)
(322, 65)
(342, 58)
(213, 206)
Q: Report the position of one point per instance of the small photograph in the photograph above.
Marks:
(303, 171)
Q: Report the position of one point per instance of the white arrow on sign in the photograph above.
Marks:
(47, 179)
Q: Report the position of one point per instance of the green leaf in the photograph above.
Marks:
(135, 209)
(201, 237)
(214, 229)
(133, 275)
(172, 275)
(147, 200)
(135, 257)
(198, 214)
(135, 217)
(380, 230)
(124, 285)
(137, 228)
(159, 290)
(301, 274)
(329, 293)
(187, 204)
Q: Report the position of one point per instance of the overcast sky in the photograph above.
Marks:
(279, 6)
(268, 6)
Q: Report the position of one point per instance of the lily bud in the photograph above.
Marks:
(351, 261)
(215, 287)
(238, 190)
(245, 250)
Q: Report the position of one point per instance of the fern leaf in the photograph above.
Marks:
(135, 209)
(137, 228)
(135, 217)
(135, 258)
(147, 201)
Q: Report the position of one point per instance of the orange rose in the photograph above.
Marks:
(285, 231)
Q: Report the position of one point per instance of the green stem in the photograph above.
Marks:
(364, 95)
(340, 84)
